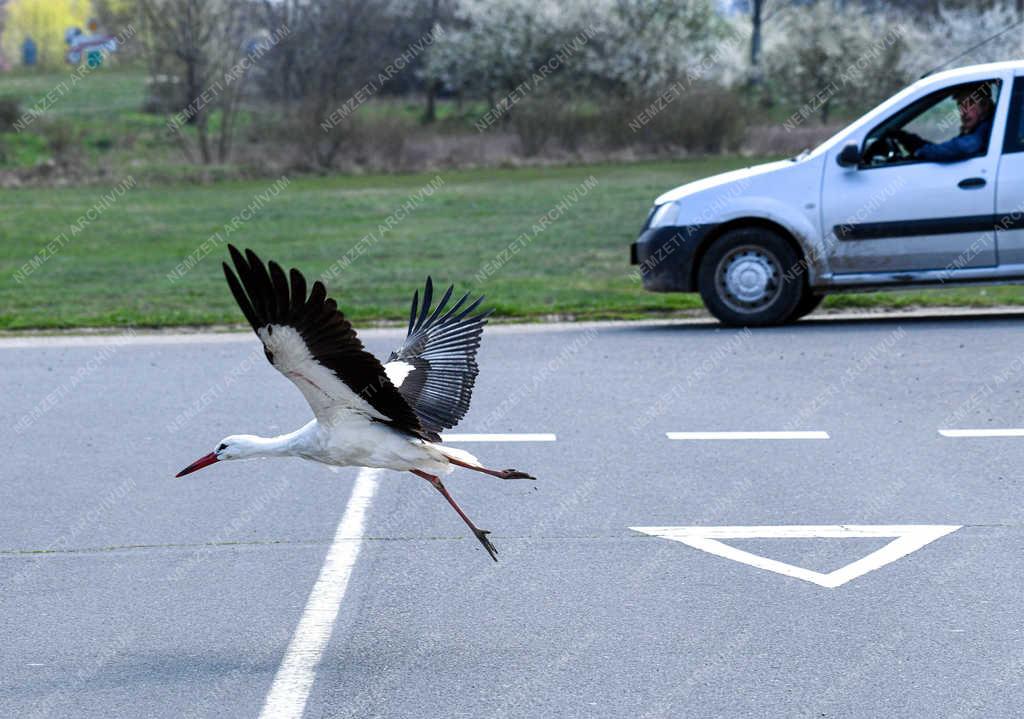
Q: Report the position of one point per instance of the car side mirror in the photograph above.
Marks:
(849, 156)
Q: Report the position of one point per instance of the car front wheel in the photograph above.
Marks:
(806, 306)
(751, 277)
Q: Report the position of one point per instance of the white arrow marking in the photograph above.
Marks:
(907, 538)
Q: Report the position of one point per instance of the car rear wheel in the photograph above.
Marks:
(747, 277)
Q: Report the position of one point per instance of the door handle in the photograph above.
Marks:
(971, 183)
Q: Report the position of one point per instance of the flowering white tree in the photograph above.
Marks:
(493, 46)
(952, 32)
(819, 54)
(642, 46)
(627, 46)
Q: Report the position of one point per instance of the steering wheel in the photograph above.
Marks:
(887, 148)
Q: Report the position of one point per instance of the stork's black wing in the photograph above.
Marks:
(435, 367)
(311, 343)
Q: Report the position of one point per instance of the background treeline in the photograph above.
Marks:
(259, 86)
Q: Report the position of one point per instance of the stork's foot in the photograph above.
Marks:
(514, 474)
(481, 534)
(499, 473)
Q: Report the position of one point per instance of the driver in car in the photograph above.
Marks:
(976, 111)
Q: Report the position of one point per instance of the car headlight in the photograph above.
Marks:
(664, 215)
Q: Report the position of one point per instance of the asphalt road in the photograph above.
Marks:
(127, 593)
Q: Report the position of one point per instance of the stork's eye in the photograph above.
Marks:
(222, 447)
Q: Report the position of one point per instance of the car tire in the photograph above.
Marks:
(748, 277)
(807, 304)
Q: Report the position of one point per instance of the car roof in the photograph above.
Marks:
(969, 71)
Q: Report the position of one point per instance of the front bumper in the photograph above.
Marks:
(666, 255)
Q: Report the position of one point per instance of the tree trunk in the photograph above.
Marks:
(433, 84)
(430, 112)
(204, 140)
(756, 8)
(196, 115)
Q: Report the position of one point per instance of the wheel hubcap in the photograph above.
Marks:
(749, 279)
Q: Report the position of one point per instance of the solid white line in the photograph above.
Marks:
(982, 432)
(747, 435)
(525, 437)
(294, 679)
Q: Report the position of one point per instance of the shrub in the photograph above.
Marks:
(368, 138)
(63, 140)
(378, 142)
(704, 118)
(553, 119)
(534, 126)
(10, 113)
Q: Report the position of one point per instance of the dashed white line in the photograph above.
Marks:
(294, 679)
(523, 437)
(748, 435)
(982, 432)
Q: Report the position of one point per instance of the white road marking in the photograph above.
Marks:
(294, 679)
(907, 538)
(748, 435)
(525, 437)
(982, 432)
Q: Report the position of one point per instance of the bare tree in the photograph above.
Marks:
(201, 43)
(328, 65)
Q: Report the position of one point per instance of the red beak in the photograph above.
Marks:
(204, 461)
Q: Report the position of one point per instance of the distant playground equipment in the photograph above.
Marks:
(92, 46)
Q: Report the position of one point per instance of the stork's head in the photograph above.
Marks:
(235, 446)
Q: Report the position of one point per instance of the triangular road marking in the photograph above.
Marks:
(907, 538)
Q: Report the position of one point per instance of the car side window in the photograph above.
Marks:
(931, 120)
(937, 123)
(1014, 140)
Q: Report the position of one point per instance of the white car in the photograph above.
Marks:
(863, 211)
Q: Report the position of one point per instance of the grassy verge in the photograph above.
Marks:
(115, 269)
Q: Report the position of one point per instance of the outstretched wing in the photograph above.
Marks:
(435, 367)
(311, 343)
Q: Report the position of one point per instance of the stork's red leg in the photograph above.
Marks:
(499, 473)
(481, 534)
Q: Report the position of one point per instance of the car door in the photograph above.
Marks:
(911, 215)
(1010, 187)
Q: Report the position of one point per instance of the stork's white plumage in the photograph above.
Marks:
(366, 414)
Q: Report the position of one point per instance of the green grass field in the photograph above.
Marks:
(115, 270)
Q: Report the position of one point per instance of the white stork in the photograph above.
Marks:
(365, 414)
